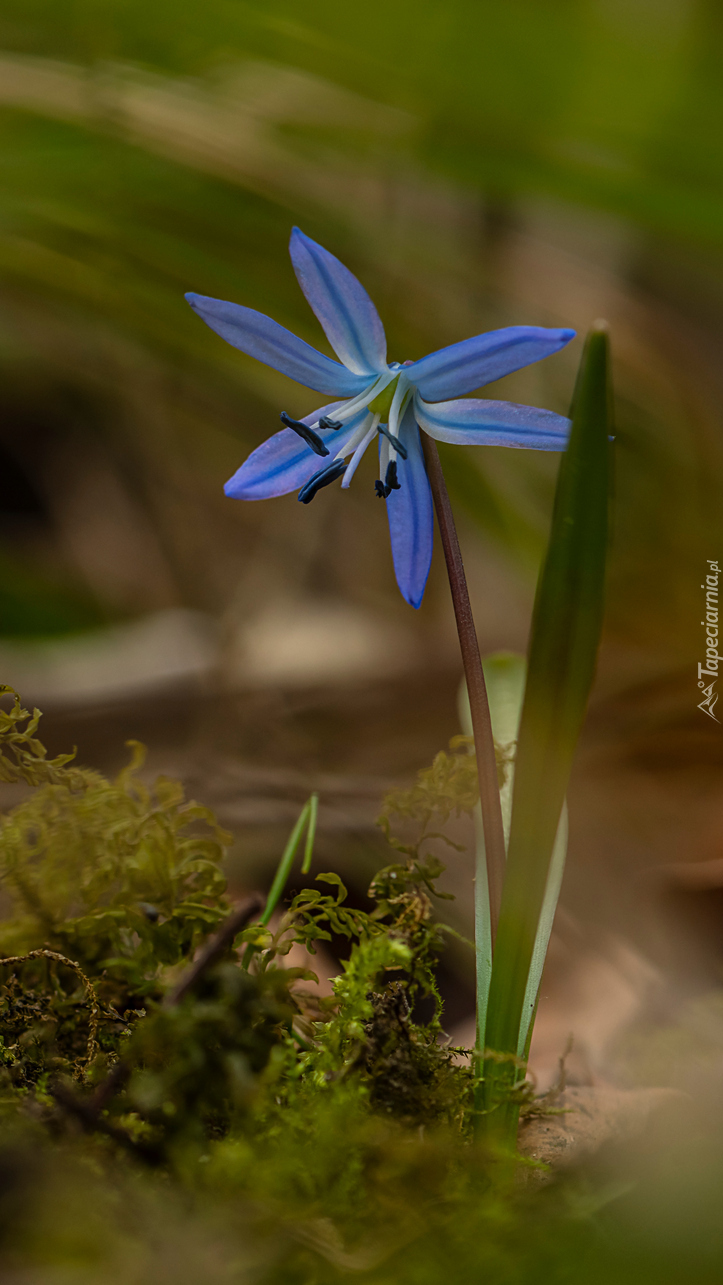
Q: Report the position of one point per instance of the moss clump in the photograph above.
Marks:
(114, 886)
(121, 881)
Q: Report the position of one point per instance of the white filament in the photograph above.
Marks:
(384, 456)
(359, 433)
(402, 393)
(351, 408)
(356, 457)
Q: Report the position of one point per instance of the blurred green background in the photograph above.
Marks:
(477, 165)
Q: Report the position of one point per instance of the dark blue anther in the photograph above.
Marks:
(326, 422)
(322, 478)
(380, 490)
(391, 481)
(402, 450)
(311, 438)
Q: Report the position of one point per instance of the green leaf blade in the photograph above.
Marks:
(566, 628)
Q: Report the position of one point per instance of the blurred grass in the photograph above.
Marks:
(592, 100)
(441, 152)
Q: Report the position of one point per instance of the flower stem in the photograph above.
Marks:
(479, 705)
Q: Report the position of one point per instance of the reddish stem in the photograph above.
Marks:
(489, 794)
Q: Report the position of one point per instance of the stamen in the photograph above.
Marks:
(380, 490)
(402, 450)
(322, 478)
(311, 438)
(326, 422)
(402, 394)
(391, 481)
(385, 454)
(358, 435)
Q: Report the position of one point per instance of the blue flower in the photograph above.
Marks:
(373, 398)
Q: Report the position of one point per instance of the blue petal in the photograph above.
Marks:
(473, 422)
(351, 322)
(411, 521)
(459, 369)
(284, 462)
(269, 342)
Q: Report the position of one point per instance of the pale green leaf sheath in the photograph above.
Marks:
(505, 680)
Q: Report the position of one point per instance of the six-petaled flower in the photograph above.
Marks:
(374, 398)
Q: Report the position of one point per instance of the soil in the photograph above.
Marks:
(591, 1115)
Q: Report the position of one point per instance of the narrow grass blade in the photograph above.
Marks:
(566, 628)
(310, 834)
(307, 817)
(482, 934)
(544, 928)
(284, 867)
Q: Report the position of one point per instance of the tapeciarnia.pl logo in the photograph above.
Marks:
(710, 669)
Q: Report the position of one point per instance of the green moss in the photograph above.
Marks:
(122, 881)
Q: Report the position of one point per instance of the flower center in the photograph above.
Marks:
(382, 403)
(378, 411)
